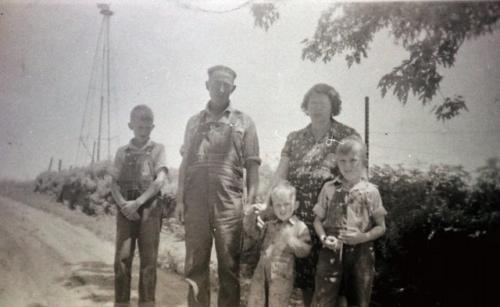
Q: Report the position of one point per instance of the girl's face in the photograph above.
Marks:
(351, 165)
(283, 206)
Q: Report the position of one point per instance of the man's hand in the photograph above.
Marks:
(179, 212)
(352, 236)
(129, 209)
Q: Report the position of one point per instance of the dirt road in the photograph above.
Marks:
(45, 261)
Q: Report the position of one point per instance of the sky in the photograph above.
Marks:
(160, 51)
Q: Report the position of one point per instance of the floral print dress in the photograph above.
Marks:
(307, 171)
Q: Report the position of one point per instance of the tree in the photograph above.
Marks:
(432, 33)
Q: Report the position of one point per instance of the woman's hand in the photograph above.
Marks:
(352, 236)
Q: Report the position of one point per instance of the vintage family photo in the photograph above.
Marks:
(196, 153)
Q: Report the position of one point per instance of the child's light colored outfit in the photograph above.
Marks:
(135, 170)
(273, 278)
(351, 269)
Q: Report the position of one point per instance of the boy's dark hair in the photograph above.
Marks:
(142, 113)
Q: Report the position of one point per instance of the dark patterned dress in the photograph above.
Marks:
(307, 171)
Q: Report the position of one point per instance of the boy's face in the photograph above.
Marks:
(283, 206)
(141, 128)
(350, 165)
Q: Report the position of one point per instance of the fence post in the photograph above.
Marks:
(50, 163)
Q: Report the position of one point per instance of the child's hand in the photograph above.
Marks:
(129, 209)
(332, 243)
(352, 236)
(257, 209)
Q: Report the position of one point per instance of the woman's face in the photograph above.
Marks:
(319, 107)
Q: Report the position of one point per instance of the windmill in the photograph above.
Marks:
(98, 94)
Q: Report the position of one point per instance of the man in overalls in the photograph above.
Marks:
(219, 144)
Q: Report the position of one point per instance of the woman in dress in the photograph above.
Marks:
(302, 164)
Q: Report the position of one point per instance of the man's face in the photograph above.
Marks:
(219, 89)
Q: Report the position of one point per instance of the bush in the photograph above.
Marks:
(439, 245)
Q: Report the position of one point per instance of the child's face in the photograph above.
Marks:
(283, 206)
(141, 128)
(351, 165)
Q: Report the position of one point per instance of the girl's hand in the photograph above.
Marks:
(352, 236)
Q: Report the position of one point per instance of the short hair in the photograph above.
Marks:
(282, 187)
(329, 91)
(142, 113)
(350, 144)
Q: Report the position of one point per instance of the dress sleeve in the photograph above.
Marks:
(287, 149)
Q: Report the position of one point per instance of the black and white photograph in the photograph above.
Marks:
(248, 153)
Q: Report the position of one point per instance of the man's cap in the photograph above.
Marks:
(222, 73)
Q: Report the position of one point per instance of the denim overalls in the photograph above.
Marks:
(213, 201)
(136, 175)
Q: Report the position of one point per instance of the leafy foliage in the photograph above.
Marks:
(265, 14)
(431, 32)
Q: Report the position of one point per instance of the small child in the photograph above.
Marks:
(349, 217)
(284, 238)
(140, 172)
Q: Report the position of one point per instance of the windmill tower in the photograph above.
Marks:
(98, 95)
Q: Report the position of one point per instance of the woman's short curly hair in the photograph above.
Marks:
(329, 91)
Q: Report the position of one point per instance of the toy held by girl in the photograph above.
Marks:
(349, 217)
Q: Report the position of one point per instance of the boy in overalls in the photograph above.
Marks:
(220, 143)
(349, 217)
(140, 172)
(283, 238)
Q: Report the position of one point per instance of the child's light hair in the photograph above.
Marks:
(284, 189)
(352, 144)
(142, 113)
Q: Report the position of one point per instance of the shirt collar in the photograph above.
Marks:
(227, 111)
(132, 146)
(358, 186)
(292, 220)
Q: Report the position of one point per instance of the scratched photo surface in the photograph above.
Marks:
(71, 71)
